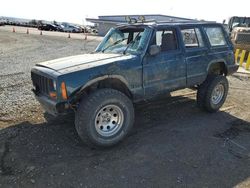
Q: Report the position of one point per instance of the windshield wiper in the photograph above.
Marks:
(131, 43)
(115, 43)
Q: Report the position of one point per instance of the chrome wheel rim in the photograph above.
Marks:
(109, 120)
(217, 94)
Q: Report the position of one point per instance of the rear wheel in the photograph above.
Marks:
(104, 117)
(212, 93)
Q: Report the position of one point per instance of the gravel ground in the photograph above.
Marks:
(19, 53)
(35, 31)
(173, 143)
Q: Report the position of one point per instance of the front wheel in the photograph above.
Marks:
(212, 93)
(104, 117)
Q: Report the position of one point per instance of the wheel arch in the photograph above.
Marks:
(217, 67)
(108, 81)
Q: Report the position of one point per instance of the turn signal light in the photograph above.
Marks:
(52, 95)
(64, 91)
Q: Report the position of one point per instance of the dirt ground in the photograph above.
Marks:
(173, 143)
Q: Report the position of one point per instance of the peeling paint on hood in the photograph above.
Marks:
(68, 64)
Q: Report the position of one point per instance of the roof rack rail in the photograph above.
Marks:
(142, 20)
(180, 21)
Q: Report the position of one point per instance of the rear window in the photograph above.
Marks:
(215, 36)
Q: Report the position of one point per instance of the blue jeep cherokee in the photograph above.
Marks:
(135, 62)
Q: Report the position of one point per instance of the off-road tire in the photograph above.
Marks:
(205, 92)
(85, 117)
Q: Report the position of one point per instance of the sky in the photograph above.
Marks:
(75, 11)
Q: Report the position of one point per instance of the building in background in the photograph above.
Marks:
(104, 23)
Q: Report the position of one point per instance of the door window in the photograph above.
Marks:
(167, 40)
(192, 38)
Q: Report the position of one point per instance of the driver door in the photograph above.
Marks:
(165, 71)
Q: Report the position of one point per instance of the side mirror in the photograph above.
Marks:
(154, 50)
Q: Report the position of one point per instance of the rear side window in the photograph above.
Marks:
(192, 38)
(215, 36)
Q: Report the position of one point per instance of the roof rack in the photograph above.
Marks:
(142, 20)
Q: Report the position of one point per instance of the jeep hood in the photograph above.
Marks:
(79, 62)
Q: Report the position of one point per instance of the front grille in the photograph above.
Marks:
(243, 38)
(41, 83)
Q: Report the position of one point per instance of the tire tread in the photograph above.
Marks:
(91, 101)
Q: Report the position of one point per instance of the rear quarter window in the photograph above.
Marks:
(215, 36)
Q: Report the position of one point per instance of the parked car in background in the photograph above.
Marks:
(70, 28)
(94, 29)
(59, 27)
(48, 27)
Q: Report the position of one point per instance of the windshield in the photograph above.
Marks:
(239, 22)
(126, 40)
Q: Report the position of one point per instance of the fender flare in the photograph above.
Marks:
(216, 61)
(97, 79)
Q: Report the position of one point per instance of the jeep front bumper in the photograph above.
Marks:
(52, 107)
